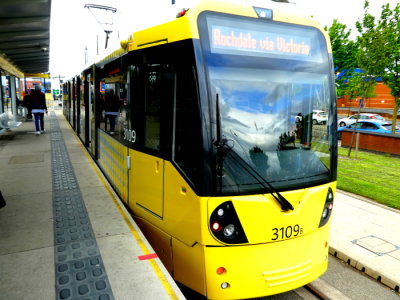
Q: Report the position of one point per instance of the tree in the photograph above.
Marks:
(369, 56)
(359, 85)
(389, 26)
(343, 49)
(379, 52)
(344, 53)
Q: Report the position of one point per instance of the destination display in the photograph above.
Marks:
(239, 41)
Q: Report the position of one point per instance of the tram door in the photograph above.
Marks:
(152, 119)
(74, 102)
(146, 179)
(90, 115)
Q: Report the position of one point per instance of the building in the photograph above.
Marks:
(382, 100)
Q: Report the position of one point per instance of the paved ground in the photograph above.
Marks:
(354, 284)
(30, 253)
(367, 235)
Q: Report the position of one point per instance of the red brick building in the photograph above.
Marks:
(382, 100)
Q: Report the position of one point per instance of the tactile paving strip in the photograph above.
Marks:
(80, 272)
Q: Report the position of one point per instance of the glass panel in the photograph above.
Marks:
(153, 92)
(82, 121)
(187, 124)
(152, 132)
(113, 95)
(266, 104)
(153, 106)
(259, 110)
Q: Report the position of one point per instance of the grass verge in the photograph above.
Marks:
(372, 175)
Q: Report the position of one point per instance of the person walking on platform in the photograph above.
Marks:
(39, 107)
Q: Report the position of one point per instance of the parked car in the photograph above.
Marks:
(364, 116)
(369, 125)
(319, 117)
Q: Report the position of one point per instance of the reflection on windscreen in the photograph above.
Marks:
(266, 119)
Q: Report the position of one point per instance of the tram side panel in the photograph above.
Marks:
(113, 162)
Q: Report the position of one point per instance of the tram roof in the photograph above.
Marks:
(185, 27)
(24, 36)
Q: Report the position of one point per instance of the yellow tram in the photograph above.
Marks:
(215, 150)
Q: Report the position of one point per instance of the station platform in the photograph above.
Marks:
(366, 235)
(64, 234)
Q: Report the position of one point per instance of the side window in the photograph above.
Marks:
(355, 125)
(369, 126)
(152, 108)
(158, 87)
(187, 124)
(112, 107)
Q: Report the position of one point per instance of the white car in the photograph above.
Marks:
(364, 116)
(319, 117)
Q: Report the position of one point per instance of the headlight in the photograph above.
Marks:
(229, 230)
(327, 211)
(225, 225)
(220, 212)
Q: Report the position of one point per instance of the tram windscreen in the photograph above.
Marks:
(275, 106)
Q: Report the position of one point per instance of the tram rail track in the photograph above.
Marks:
(323, 290)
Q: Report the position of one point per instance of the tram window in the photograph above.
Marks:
(114, 110)
(153, 107)
(187, 124)
(152, 132)
(158, 93)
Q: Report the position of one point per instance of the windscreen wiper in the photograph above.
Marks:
(285, 204)
(219, 144)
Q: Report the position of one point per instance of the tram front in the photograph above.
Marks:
(274, 163)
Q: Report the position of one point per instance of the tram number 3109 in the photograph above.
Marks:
(130, 135)
(286, 232)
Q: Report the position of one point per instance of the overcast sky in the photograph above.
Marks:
(76, 34)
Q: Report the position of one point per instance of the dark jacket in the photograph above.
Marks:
(38, 100)
(111, 103)
(27, 101)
